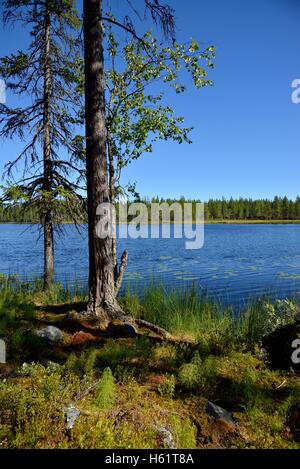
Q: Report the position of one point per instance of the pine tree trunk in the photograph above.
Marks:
(102, 302)
(48, 252)
(102, 295)
(48, 223)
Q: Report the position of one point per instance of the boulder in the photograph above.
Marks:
(121, 329)
(279, 346)
(71, 414)
(50, 334)
(219, 414)
(167, 438)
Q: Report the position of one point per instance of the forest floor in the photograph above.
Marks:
(75, 385)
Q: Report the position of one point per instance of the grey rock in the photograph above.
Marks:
(50, 333)
(130, 330)
(218, 413)
(72, 414)
(167, 437)
(122, 329)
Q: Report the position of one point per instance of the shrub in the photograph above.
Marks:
(90, 361)
(249, 389)
(31, 414)
(264, 317)
(71, 363)
(198, 374)
(184, 432)
(167, 387)
(106, 391)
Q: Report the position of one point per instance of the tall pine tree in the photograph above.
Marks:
(44, 75)
(102, 299)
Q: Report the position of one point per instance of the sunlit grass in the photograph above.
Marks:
(127, 389)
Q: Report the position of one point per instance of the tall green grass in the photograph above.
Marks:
(186, 313)
(19, 300)
(217, 328)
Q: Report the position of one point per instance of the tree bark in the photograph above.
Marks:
(102, 302)
(48, 223)
(119, 274)
(112, 197)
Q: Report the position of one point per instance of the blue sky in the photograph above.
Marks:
(246, 140)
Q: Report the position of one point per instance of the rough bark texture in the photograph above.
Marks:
(102, 293)
(102, 302)
(120, 272)
(112, 196)
(48, 224)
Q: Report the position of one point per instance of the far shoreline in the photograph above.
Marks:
(208, 222)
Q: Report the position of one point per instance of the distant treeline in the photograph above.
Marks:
(280, 208)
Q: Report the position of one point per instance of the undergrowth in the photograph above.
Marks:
(131, 392)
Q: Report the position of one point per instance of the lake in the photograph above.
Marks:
(236, 263)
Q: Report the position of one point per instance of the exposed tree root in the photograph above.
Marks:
(152, 327)
(110, 310)
(114, 312)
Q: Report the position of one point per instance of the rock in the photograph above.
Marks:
(122, 329)
(167, 438)
(130, 330)
(72, 414)
(219, 414)
(279, 346)
(51, 334)
(294, 420)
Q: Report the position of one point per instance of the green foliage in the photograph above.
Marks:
(136, 116)
(249, 389)
(131, 302)
(124, 374)
(290, 400)
(165, 356)
(126, 409)
(187, 313)
(198, 374)
(280, 208)
(167, 387)
(71, 363)
(125, 352)
(221, 210)
(106, 391)
(216, 330)
(32, 414)
(24, 72)
(17, 314)
(84, 364)
(90, 361)
(264, 317)
(184, 432)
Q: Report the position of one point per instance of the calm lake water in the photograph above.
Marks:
(237, 262)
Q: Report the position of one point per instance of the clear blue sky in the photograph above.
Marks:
(247, 130)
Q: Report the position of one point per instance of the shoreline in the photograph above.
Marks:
(207, 222)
